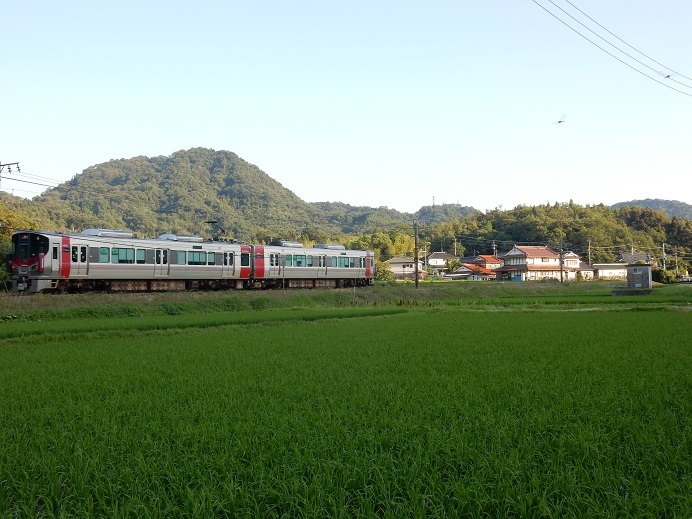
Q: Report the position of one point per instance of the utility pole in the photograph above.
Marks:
(589, 252)
(9, 169)
(415, 253)
(676, 261)
(664, 256)
(561, 261)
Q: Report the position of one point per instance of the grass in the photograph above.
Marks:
(467, 295)
(366, 409)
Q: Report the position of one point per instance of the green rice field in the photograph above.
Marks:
(549, 402)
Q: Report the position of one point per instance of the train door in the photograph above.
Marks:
(228, 265)
(53, 259)
(360, 263)
(161, 260)
(275, 264)
(259, 263)
(80, 265)
(322, 266)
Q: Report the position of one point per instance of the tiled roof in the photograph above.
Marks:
(442, 255)
(400, 259)
(537, 251)
(478, 269)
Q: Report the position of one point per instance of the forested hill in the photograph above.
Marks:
(669, 207)
(179, 193)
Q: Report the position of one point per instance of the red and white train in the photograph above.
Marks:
(109, 260)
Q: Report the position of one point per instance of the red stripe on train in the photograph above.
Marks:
(245, 270)
(65, 257)
(258, 260)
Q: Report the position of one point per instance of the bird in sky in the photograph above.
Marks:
(666, 75)
(561, 119)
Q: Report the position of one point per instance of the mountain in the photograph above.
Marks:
(669, 207)
(182, 192)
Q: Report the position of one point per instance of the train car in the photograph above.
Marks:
(290, 264)
(104, 259)
(112, 260)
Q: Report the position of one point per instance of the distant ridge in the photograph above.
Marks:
(669, 207)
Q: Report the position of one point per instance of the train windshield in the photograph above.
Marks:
(27, 245)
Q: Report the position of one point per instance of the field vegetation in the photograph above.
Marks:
(450, 400)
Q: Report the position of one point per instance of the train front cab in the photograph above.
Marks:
(34, 260)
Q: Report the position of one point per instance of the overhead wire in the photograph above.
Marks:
(630, 46)
(609, 53)
(615, 46)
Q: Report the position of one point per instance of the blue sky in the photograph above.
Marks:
(383, 103)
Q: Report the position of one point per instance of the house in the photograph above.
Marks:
(439, 261)
(635, 257)
(575, 268)
(610, 270)
(488, 261)
(530, 263)
(471, 272)
(403, 267)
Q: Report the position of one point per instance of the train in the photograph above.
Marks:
(115, 260)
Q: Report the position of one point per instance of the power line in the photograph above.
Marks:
(623, 41)
(615, 46)
(607, 52)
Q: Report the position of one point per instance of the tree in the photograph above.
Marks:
(11, 221)
(383, 272)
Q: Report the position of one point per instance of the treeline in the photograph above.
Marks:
(597, 233)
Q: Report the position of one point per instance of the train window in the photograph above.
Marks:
(211, 258)
(300, 260)
(83, 254)
(75, 254)
(165, 256)
(289, 260)
(196, 258)
(38, 244)
(55, 253)
(104, 255)
(182, 257)
(122, 255)
(343, 262)
(308, 261)
(333, 261)
(141, 257)
(352, 263)
(245, 259)
(228, 258)
(321, 263)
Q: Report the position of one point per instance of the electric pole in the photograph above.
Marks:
(9, 169)
(415, 253)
